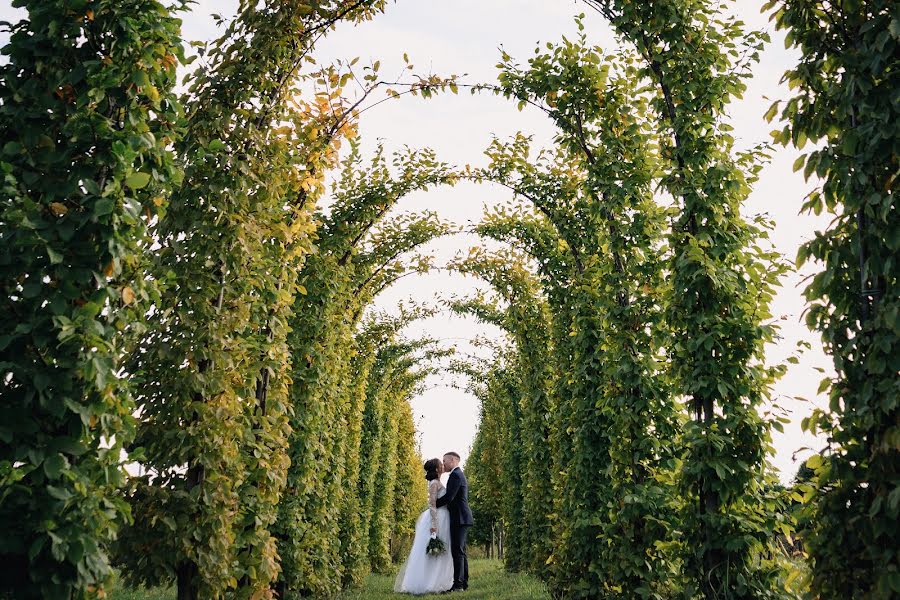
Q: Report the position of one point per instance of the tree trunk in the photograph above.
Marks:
(186, 573)
(709, 506)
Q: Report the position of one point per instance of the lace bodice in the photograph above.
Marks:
(436, 489)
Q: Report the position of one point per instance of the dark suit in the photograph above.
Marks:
(456, 499)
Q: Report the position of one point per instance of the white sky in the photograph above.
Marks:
(464, 36)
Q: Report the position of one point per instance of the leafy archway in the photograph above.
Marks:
(173, 293)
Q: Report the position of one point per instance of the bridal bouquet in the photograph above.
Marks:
(435, 547)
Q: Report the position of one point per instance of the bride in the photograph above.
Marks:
(424, 573)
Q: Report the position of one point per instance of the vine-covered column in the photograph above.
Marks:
(697, 57)
(376, 331)
(213, 403)
(398, 373)
(528, 470)
(359, 253)
(410, 489)
(536, 235)
(87, 116)
(483, 468)
(845, 100)
(595, 189)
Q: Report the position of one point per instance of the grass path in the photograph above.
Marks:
(487, 581)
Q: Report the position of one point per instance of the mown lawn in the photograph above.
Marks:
(487, 581)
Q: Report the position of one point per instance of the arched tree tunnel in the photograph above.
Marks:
(204, 386)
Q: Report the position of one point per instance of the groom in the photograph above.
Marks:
(456, 499)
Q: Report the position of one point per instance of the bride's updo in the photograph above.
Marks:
(431, 469)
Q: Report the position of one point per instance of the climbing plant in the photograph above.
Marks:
(526, 476)
(483, 465)
(536, 235)
(87, 116)
(604, 138)
(845, 87)
(365, 421)
(212, 371)
(410, 491)
(359, 253)
(398, 373)
(353, 524)
(696, 57)
(482, 468)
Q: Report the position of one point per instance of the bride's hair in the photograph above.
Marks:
(431, 469)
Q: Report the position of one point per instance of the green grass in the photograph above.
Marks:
(487, 581)
(119, 593)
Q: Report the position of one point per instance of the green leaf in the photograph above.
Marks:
(894, 28)
(59, 493)
(140, 78)
(894, 577)
(54, 465)
(35, 548)
(137, 180)
(103, 206)
(815, 461)
(55, 257)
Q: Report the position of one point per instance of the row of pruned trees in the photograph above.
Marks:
(657, 291)
(173, 300)
(648, 436)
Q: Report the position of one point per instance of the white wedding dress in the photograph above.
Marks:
(424, 574)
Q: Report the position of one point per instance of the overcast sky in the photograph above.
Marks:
(465, 36)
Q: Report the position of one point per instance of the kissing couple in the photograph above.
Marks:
(430, 568)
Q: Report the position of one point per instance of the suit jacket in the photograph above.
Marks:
(456, 499)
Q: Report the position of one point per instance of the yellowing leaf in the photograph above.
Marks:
(58, 208)
(127, 295)
(151, 92)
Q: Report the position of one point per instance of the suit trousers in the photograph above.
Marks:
(458, 534)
